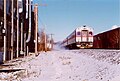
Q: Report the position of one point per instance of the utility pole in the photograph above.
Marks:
(51, 36)
(4, 31)
(12, 31)
(17, 28)
(36, 24)
(45, 41)
(51, 40)
(36, 27)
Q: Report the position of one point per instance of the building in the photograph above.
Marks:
(24, 27)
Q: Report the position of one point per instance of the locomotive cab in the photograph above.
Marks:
(84, 37)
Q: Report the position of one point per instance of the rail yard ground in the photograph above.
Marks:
(66, 65)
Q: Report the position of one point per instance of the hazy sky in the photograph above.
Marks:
(61, 17)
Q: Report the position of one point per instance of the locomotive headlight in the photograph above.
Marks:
(90, 45)
(78, 45)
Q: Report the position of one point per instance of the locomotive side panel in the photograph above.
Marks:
(71, 38)
(64, 43)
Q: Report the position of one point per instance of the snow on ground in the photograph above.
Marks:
(68, 65)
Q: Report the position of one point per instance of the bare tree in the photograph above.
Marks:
(41, 46)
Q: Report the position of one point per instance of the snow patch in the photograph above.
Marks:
(115, 26)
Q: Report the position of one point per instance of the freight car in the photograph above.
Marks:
(108, 39)
(81, 37)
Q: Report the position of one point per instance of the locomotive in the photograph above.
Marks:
(81, 37)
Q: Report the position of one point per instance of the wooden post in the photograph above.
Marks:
(17, 28)
(36, 27)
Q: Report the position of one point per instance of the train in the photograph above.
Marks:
(81, 37)
(107, 40)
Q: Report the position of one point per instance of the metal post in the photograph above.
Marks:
(4, 56)
(36, 27)
(29, 31)
(17, 28)
(24, 44)
(27, 51)
(12, 30)
(21, 51)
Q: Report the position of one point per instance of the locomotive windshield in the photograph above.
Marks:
(84, 33)
(78, 33)
(90, 33)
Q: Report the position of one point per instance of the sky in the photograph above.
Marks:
(62, 17)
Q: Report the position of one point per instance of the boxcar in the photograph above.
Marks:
(108, 40)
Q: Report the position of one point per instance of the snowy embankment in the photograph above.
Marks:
(68, 65)
(111, 56)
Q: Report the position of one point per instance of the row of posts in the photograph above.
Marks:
(12, 30)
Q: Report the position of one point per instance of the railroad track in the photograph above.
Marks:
(111, 56)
